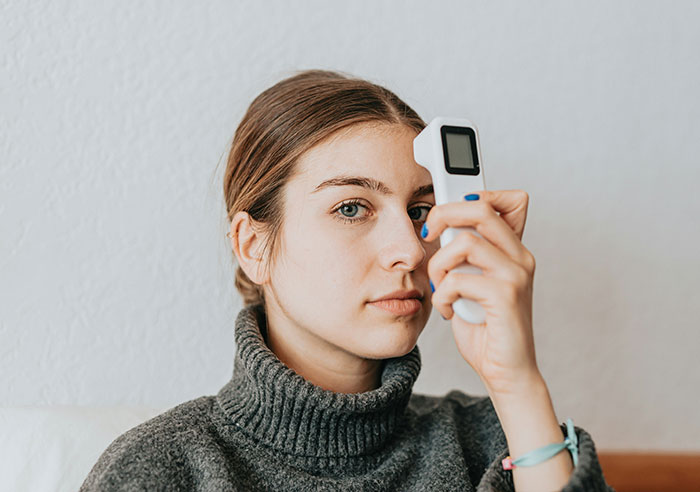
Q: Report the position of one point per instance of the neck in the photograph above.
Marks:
(319, 361)
(272, 404)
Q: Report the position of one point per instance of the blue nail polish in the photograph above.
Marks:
(432, 287)
(471, 197)
(424, 231)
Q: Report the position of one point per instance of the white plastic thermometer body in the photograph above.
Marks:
(449, 149)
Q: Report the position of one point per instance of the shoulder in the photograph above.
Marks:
(153, 454)
(472, 417)
(455, 402)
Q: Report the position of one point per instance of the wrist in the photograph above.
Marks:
(529, 404)
(525, 414)
(525, 386)
(529, 423)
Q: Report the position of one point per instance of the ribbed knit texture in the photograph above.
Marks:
(273, 404)
(269, 428)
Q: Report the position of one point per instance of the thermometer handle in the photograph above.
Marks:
(467, 309)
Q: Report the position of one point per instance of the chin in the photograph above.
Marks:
(388, 347)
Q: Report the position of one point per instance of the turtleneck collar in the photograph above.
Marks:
(277, 407)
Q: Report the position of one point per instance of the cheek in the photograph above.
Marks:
(430, 251)
(319, 254)
(333, 267)
(432, 247)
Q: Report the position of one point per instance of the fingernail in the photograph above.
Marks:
(471, 197)
(432, 287)
(424, 231)
(443, 317)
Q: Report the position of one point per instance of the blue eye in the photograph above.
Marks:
(348, 207)
(351, 206)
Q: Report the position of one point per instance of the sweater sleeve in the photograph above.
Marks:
(586, 477)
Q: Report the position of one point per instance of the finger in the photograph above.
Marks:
(481, 216)
(476, 251)
(511, 204)
(457, 284)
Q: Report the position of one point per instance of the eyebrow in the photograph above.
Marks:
(370, 184)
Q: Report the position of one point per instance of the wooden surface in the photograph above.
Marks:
(651, 472)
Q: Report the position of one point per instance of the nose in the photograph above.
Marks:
(401, 247)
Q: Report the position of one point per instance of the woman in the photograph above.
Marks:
(329, 213)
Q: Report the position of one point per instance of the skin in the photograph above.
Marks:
(501, 350)
(319, 320)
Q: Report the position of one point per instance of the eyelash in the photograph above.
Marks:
(349, 220)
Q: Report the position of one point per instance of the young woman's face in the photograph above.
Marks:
(337, 256)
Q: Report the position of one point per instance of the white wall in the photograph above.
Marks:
(116, 285)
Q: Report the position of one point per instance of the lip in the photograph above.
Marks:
(400, 302)
(399, 307)
(401, 294)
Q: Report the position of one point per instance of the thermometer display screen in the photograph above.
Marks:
(459, 148)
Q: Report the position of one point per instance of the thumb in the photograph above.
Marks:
(511, 205)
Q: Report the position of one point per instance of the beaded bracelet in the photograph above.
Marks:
(544, 453)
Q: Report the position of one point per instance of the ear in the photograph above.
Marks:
(247, 244)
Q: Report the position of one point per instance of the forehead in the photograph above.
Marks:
(369, 149)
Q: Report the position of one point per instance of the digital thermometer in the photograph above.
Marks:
(449, 149)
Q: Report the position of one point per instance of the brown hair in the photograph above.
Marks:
(282, 123)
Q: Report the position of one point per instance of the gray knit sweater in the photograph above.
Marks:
(269, 428)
